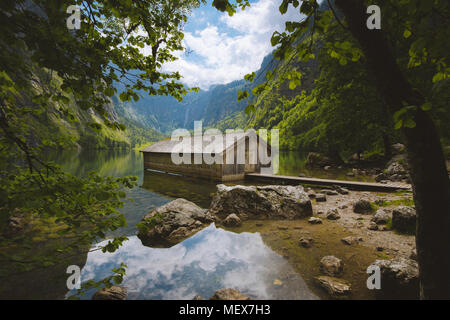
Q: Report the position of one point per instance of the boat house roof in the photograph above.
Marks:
(219, 141)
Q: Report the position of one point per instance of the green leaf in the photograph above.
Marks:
(250, 77)
(283, 7)
(242, 95)
(250, 109)
(406, 34)
(398, 124)
(426, 106)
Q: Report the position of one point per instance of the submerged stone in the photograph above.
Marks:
(232, 220)
(332, 266)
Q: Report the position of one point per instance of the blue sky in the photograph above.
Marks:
(222, 48)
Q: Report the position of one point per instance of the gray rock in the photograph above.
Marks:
(333, 214)
(331, 266)
(336, 288)
(395, 168)
(362, 206)
(314, 220)
(320, 197)
(228, 294)
(381, 216)
(399, 277)
(404, 219)
(172, 223)
(198, 297)
(261, 202)
(113, 293)
(232, 220)
(311, 194)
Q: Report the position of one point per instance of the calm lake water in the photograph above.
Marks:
(210, 260)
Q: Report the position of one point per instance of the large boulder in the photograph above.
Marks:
(336, 288)
(172, 223)
(381, 216)
(404, 219)
(261, 202)
(362, 206)
(113, 293)
(228, 294)
(399, 278)
(395, 168)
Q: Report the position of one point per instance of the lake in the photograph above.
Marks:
(212, 259)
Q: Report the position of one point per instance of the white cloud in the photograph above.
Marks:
(222, 57)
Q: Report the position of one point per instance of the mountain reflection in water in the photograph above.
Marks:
(210, 260)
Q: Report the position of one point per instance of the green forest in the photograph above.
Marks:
(352, 97)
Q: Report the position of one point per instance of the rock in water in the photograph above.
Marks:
(404, 219)
(332, 266)
(113, 293)
(261, 202)
(228, 294)
(232, 221)
(362, 206)
(306, 241)
(172, 223)
(336, 288)
(399, 278)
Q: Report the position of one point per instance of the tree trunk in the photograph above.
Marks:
(428, 172)
(387, 146)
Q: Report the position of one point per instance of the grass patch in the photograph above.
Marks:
(409, 202)
(389, 223)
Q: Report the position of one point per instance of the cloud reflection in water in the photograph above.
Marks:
(210, 260)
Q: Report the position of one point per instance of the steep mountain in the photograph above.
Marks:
(166, 113)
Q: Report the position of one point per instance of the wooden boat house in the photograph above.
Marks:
(217, 157)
